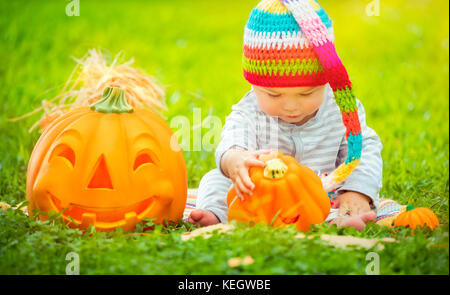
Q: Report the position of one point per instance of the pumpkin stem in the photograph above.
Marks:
(112, 101)
(275, 168)
(409, 207)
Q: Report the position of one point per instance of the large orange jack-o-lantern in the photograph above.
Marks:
(108, 166)
(285, 193)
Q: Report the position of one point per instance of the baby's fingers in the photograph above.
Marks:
(241, 189)
(238, 192)
(344, 209)
(360, 210)
(249, 162)
(246, 181)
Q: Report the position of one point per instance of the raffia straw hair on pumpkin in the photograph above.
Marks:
(90, 77)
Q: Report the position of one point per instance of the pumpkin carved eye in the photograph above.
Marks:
(144, 157)
(64, 151)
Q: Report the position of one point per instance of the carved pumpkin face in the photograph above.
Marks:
(108, 169)
(285, 193)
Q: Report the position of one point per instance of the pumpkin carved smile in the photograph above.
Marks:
(108, 217)
(138, 207)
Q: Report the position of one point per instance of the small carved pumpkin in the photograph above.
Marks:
(285, 193)
(414, 217)
(108, 166)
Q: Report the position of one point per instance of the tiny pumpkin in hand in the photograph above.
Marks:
(414, 217)
(285, 193)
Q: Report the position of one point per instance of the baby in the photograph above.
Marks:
(302, 104)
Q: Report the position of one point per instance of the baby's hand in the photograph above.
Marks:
(236, 163)
(352, 203)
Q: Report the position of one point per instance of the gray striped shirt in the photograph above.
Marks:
(319, 144)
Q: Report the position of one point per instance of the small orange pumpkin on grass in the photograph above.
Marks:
(414, 217)
(285, 193)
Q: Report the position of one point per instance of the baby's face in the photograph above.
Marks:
(292, 104)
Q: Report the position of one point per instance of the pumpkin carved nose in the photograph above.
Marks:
(101, 177)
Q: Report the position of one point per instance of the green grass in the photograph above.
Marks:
(398, 63)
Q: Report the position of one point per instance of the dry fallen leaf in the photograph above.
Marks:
(345, 241)
(236, 261)
(302, 235)
(206, 231)
(5, 206)
(247, 260)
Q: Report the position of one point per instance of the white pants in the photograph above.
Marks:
(212, 194)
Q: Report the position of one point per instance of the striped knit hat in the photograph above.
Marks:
(289, 43)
